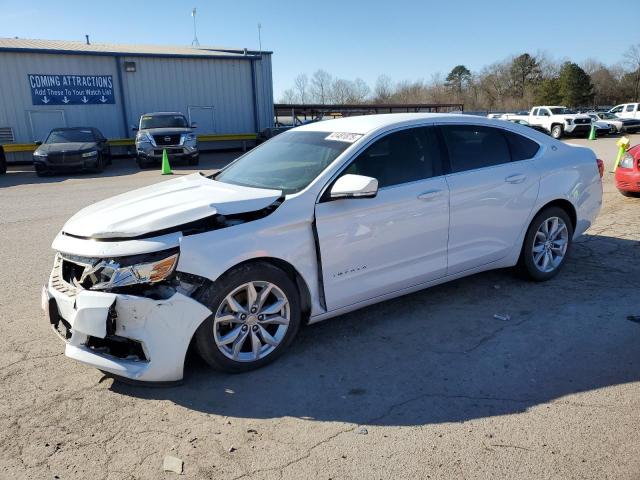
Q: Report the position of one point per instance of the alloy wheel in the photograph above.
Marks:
(251, 321)
(550, 244)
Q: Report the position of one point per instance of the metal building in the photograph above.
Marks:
(45, 84)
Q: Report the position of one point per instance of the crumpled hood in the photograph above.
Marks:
(165, 205)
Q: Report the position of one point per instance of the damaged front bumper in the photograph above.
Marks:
(134, 337)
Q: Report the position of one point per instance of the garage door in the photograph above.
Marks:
(203, 116)
(43, 121)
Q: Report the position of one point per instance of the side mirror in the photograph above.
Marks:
(38, 142)
(134, 128)
(194, 125)
(354, 186)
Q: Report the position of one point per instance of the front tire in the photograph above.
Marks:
(41, 171)
(100, 161)
(557, 131)
(546, 244)
(142, 163)
(629, 194)
(255, 316)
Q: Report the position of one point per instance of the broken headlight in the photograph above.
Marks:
(109, 274)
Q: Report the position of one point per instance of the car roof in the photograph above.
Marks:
(162, 113)
(72, 128)
(364, 124)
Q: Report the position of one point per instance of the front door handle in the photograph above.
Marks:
(429, 194)
(518, 178)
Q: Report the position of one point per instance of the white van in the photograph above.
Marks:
(626, 110)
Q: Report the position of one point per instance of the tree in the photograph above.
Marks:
(632, 59)
(321, 86)
(494, 84)
(524, 71)
(606, 87)
(458, 78)
(341, 91)
(383, 89)
(301, 85)
(288, 96)
(361, 91)
(548, 92)
(574, 86)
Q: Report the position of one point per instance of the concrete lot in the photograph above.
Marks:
(425, 386)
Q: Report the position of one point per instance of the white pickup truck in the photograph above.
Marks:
(556, 120)
(626, 110)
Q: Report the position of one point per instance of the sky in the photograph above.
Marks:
(404, 39)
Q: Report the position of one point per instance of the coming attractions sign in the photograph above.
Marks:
(47, 89)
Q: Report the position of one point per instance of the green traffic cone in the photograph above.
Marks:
(592, 133)
(166, 168)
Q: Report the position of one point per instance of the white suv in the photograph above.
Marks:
(318, 221)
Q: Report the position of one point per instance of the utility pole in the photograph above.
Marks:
(194, 42)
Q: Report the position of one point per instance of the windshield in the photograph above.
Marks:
(69, 136)
(608, 116)
(288, 162)
(560, 111)
(163, 121)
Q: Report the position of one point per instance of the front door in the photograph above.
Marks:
(370, 247)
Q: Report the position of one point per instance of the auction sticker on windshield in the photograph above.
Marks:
(343, 137)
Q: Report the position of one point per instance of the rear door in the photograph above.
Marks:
(493, 187)
(373, 246)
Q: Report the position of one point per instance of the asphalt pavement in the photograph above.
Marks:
(429, 385)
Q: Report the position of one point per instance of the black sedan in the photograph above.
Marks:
(67, 149)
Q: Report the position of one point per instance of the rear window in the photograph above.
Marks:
(474, 146)
(522, 148)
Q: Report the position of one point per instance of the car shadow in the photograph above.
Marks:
(439, 355)
(122, 166)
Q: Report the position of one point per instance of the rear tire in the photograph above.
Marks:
(557, 131)
(194, 160)
(547, 244)
(250, 326)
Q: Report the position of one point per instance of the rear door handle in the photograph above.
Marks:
(518, 178)
(429, 194)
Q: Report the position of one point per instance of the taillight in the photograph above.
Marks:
(600, 167)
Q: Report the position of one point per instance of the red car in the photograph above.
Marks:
(628, 173)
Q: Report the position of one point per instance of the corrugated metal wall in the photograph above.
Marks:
(15, 93)
(158, 84)
(175, 84)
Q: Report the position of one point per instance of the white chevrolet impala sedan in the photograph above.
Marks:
(318, 221)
